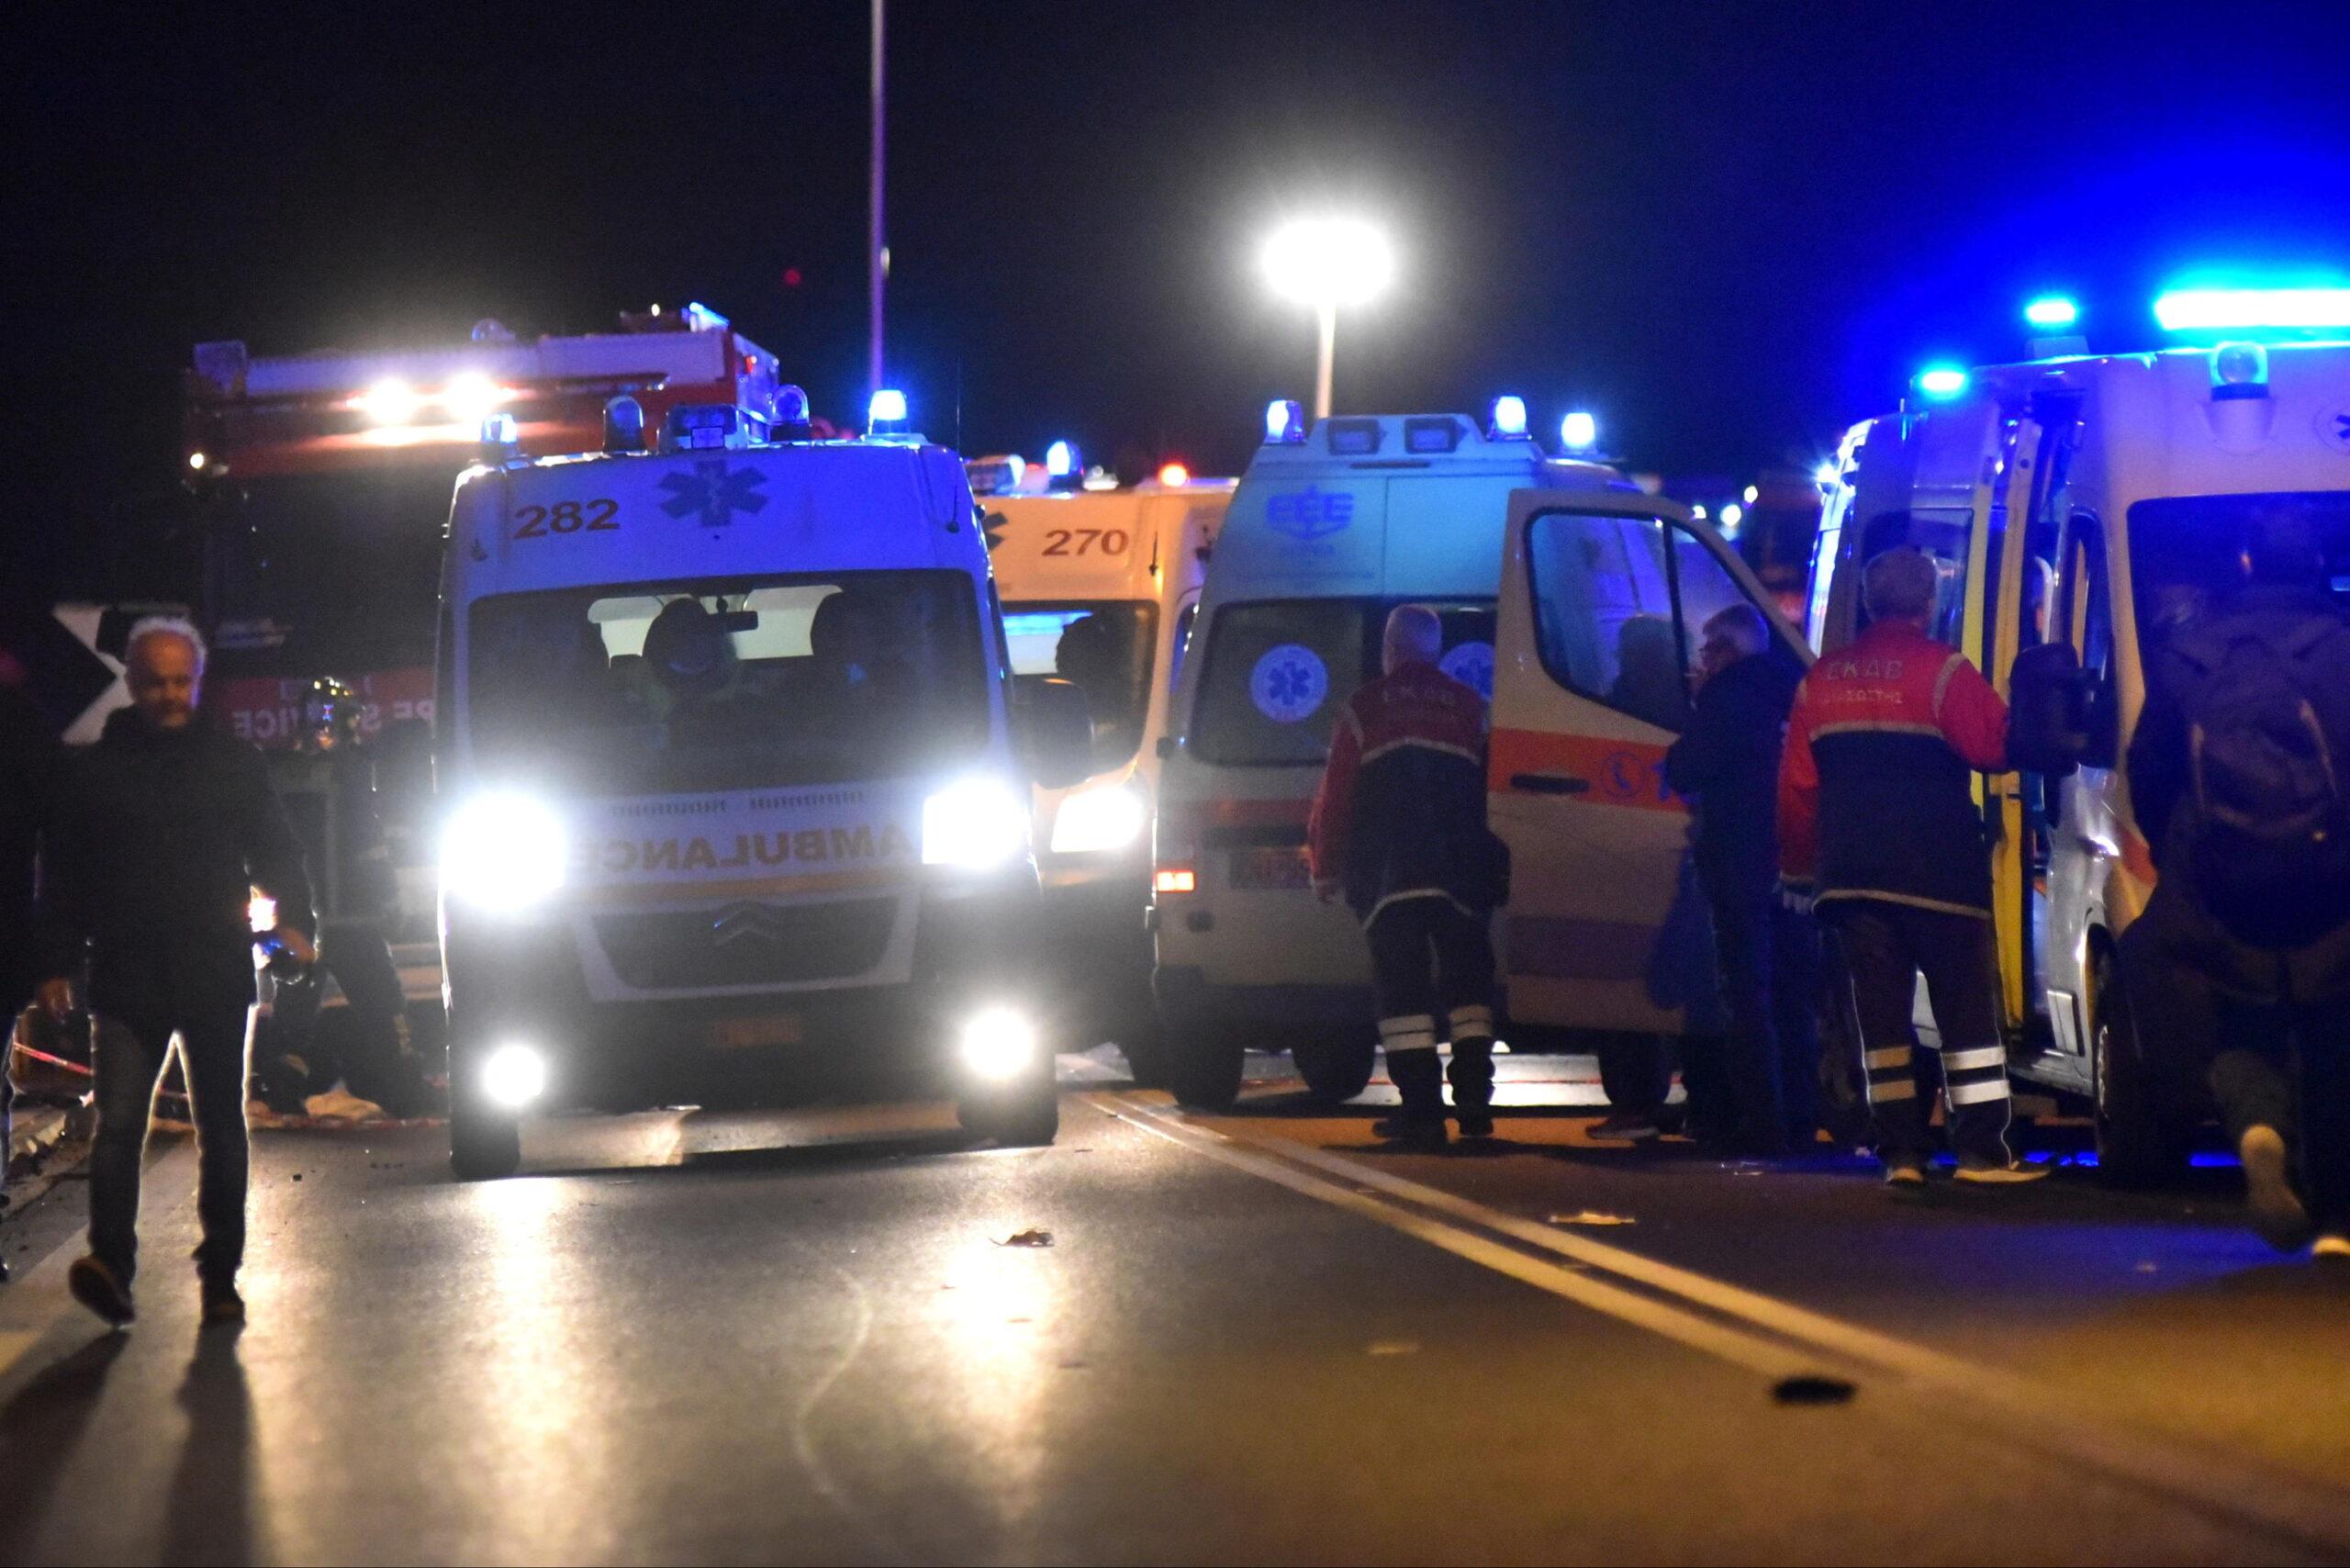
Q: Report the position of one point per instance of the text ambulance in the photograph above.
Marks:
(2090, 506)
(733, 803)
(1329, 530)
(1099, 588)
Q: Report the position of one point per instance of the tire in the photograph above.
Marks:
(2139, 1140)
(1335, 1068)
(1031, 1119)
(1143, 1044)
(483, 1145)
(1203, 1065)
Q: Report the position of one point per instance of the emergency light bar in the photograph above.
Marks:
(1285, 423)
(2245, 309)
(2054, 311)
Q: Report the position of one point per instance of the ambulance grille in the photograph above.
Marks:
(748, 943)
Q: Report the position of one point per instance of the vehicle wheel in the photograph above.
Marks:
(1029, 1119)
(1337, 1067)
(483, 1145)
(2140, 1142)
(1143, 1044)
(1203, 1065)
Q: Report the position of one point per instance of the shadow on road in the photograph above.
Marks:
(40, 1434)
(210, 1517)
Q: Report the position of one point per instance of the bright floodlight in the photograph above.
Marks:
(1328, 261)
(470, 398)
(1579, 432)
(389, 402)
(2192, 309)
(2053, 311)
(1827, 473)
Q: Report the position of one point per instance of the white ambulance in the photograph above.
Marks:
(1100, 582)
(2081, 505)
(734, 806)
(1329, 530)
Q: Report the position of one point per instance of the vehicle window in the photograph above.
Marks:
(1942, 534)
(2186, 552)
(1106, 650)
(1183, 642)
(1602, 612)
(1278, 671)
(667, 688)
(1703, 588)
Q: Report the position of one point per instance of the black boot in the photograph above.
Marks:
(1472, 1086)
(1420, 1081)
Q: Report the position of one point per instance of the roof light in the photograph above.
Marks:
(2192, 309)
(1579, 432)
(1748, 494)
(1942, 382)
(1509, 421)
(1425, 434)
(2052, 310)
(791, 409)
(499, 439)
(623, 425)
(2239, 370)
(1285, 423)
(1328, 261)
(1174, 476)
(888, 407)
(1062, 461)
(1698, 510)
(1730, 516)
(1353, 437)
(388, 402)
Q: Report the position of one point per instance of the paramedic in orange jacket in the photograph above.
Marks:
(1873, 796)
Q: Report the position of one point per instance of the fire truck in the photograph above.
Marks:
(322, 483)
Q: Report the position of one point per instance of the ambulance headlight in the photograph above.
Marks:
(512, 1076)
(502, 851)
(973, 823)
(389, 402)
(998, 1044)
(1091, 820)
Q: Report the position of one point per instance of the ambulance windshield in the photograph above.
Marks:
(2187, 551)
(730, 684)
(1278, 671)
(1105, 649)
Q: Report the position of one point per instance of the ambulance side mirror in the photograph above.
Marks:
(2049, 698)
(1054, 729)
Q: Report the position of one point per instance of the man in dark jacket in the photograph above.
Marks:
(1727, 761)
(166, 825)
(2248, 932)
(1398, 827)
(1875, 790)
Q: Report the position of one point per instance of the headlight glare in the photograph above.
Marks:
(502, 851)
(1094, 819)
(974, 823)
(512, 1076)
(998, 1044)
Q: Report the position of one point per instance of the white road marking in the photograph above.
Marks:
(2019, 1411)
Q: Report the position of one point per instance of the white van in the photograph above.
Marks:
(733, 807)
(1329, 530)
(1099, 588)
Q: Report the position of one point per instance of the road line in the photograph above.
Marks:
(2033, 1415)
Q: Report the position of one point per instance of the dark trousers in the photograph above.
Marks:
(128, 1057)
(1886, 947)
(1745, 1070)
(356, 956)
(2287, 1067)
(1432, 967)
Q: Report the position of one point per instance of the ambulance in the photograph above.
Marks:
(2078, 507)
(1330, 528)
(1100, 582)
(734, 774)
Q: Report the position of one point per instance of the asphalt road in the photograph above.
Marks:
(1254, 1338)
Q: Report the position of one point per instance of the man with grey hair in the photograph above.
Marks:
(1727, 762)
(1875, 795)
(1398, 827)
(166, 827)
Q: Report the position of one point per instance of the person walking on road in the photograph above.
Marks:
(1398, 828)
(165, 826)
(1727, 761)
(2240, 775)
(1873, 792)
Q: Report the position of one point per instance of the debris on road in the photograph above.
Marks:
(1028, 1238)
(1591, 1216)
(1814, 1389)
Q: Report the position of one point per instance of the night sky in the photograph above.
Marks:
(1729, 229)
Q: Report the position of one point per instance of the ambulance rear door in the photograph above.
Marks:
(1604, 595)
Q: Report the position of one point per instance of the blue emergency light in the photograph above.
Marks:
(499, 438)
(1509, 421)
(623, 424)
(1942, 382)
(1579, 432)
(888, 407)
(2252, 309)
(1285, 423)
(2238, 370)
(2052, 310)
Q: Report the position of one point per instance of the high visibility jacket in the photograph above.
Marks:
(1400, 811)
(1873, 790)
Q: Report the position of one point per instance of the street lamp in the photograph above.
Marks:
(1326, 262)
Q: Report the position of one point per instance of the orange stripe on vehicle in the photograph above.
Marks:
(2138, 857)
(1619, 772)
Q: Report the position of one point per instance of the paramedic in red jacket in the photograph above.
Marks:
(1874, 793)
(1399, 829)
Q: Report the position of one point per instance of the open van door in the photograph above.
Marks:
(1602, 599)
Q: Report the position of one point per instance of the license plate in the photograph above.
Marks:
(748, 1034)
(1264, 869)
